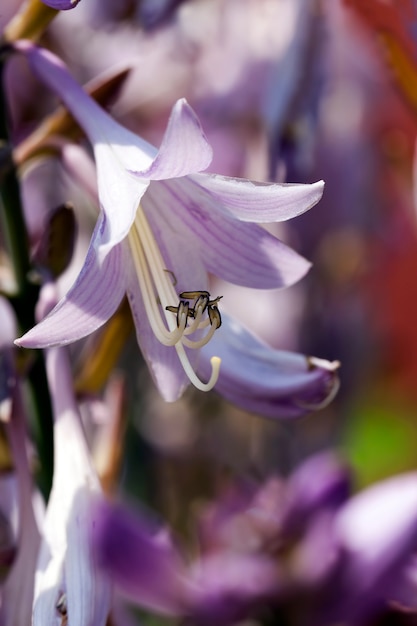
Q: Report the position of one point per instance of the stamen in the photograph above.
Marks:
(182, 314)
(198, 310)
(194, 295)
(170, 324)
(201, 303)
(214, 316)
(189, 343)
(181, 311)
(198, 323)
(164, 336)
(215, 370)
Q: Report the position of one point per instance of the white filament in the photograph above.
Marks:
(158, 293)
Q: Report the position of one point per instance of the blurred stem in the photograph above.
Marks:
(30, 22)
(26, 294)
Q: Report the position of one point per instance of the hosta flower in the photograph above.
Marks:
(298, 551)
(68, 586)
(61, 5)
(220, 588)
(163, 226)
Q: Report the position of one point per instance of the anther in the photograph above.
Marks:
(214, 316)
(182, 311)
(201, 303)
(193, 295)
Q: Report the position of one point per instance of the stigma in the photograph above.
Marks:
(188, 320)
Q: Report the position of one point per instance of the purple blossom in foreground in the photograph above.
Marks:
(162, 227)
(253, 375)
(301, 550)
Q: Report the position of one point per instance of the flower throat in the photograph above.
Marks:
(173, 325)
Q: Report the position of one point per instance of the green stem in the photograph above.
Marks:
(13, 225)
(25, 296)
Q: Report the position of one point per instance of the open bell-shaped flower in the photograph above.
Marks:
(163, 226)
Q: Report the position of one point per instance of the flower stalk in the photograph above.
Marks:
(30, 22)
(24, 297)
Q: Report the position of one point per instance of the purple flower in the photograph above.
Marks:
(61, 5)
(19, 533)
(301, 548)
(17, 499)
(219, 588)
(153, 13)
(162, 227)
(376, 535)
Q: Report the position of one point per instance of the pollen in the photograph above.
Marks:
(185, 321)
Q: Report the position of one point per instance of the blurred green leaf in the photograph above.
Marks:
(381, 440)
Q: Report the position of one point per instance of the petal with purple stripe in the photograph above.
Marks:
(244, 254)
(184, 148)
(254, 201)
(90, 302)
(274, 383)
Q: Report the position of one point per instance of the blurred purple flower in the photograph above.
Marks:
(26, 509)
(19, 533)
(8, 330)
(153, 12)
(302, 549)
(61, 5)
(376, 535)
(162, 224)
(219, 588)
